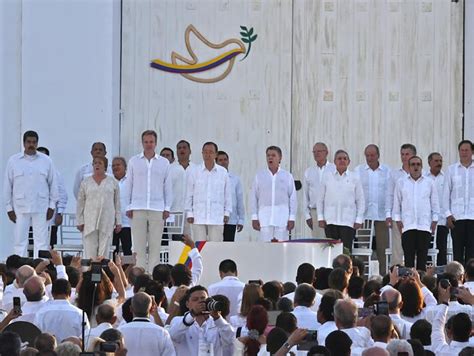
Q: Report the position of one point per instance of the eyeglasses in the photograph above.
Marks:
(415, 164)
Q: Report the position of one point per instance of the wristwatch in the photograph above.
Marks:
(287, 345)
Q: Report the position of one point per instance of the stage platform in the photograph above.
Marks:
(260, 260)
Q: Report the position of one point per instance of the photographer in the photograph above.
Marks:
(200, 330)
(460, 331)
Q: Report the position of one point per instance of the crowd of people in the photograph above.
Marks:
(130, 204)
(64, 308)
(135, 305)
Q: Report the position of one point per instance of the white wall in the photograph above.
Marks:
(67, 56)
(346, 72)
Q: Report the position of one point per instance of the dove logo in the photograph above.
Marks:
(220, 57)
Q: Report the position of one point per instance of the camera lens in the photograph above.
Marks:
(214, 305)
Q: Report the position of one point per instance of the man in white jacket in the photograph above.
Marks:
(415, 210)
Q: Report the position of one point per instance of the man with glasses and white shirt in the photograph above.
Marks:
(458, 203)
(273, 199)
(149, 197)
(374, 178)
(312, 182)
(415, 210)
(341, 202)
(208, 197)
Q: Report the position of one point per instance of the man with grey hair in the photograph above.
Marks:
(457, 270)
(25, 272)
(396, 347)
(395, 303)
(407, 151)
(341, 203)
(142, 336)
(34, 291)
(374, 178)
(375, 351)
(345, 316)
(435, 161)
(16, 288)
(311, 186)
(304, 300)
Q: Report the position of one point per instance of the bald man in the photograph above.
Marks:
(34, 291)
(16, 289)
(395, 303)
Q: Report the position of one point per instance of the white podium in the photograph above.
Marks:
(260, 260)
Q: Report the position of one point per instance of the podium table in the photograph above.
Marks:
(261, 260)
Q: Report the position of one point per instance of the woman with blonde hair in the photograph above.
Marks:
(251, 293)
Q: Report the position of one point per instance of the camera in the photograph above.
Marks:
(44, 254)
(309, 341)
(444, 283)
(214, 305)
(17, 305)
(404, 272)
(96, 272)
(381, 308)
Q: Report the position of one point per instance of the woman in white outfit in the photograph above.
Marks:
(98, 210)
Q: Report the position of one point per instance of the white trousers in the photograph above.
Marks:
(208, 232)
(267, 233)
(97, 244)
(317, 231)
(397, 250)
(40, 233)
(147, 228)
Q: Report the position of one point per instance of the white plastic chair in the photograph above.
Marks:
(362, 244)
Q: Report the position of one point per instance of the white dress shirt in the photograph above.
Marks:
(97, 331)
(273, 198)
(212, 335)
(61, 319)
(395, 175)
(439, 183)
(208, 195)
(341, 199)
(360, 337)
(374, 183)
(415, 203)
(148, 186)
(454, 308)
(311, 184)
(84, 172)
(458, 193)
(402, 325)
(30, 184)
(438, 338)
(306, 318)
(123, 202)
(9, 293)
(237, 216)
(144, 338)
(324, 330)
(29, 310)
(469, 285)
(232, 288)
(238, 321)
(179, 180)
